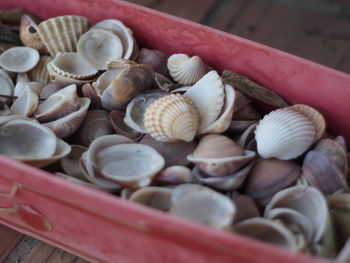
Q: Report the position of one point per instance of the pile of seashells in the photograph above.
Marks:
(170, 133)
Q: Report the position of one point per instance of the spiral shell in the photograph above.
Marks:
(186, 70)
(284, 134)
(172, 118)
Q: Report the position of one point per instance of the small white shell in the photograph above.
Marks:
(19, 59)
(284, 134)
(6, 86)
(186, 70)
(209, 95)
(26, 103)
(156, 197)
(98, 47)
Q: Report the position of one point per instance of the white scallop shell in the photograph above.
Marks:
(19, 59)
(172, 118)
(72, 65)
(186, 70)
(284, 134)
(26, 103)
(208, 94)
(99, 47)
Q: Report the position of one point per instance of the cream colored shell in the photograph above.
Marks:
(19, 59)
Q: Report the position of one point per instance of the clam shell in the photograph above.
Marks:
(186, 70)
(130, 165)
(61, 34)
(40, 72)
(176, 174)
(29, 34)
(247, 137)
(103, 81)
(58, 105)
(71, 163)
(6, 86)
(98, 47)
(95, 124)
(163, 82)
(57, 77)
(156, 197)
(206, 207)
(136, 108)
(89, 92)
(129, 83)
(72, 65)
(284, 134)
(208, 94)
(117, 120)
(217, 155)
(130, 48)
(306, 200)
(50, 89)
(172, 118)
(268, 176)
(182, 190)
(26, 103)
(19, 59)
(246, 208)
(66, 126)
(120, 64)
(154, 58)
(267, 231)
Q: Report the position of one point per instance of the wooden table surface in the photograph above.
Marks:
(317, 30)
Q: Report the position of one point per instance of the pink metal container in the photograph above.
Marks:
(103, 228)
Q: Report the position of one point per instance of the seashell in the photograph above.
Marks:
(4, 47)
(172, 118)
(66, 126)
(72, 65)
(223, 183)
(29, 34)
(6, 86)
(98, 47)
(137, 106)
(241, 101)
(181, 90)
(95, 124)
(238, 127)
(19, 59)
(248, 112)
(294, 220)
(156, 197)
(284, 134)
(174, 153)
(120, 64)
(164, 83)
(71, 163)
(40, 72)
(103, 81)
(322, 173)
(154, 58)
(341, 141)
(314, 116)
(130, 48)
(206, 207)
(4, 109)
(130, 82)
(176, 174)
(186, 70)
(125, 193)
(117, 120)
(81, 181)
(26, 103)
(268, 231)
(246, 208)
(56, 77)
(130, 165)
(247, 137)
(182, 190)
(61, 34)
(89, 92)
(209, 96)
(58, 105)
(306, 200)
(224, 120)
(217, 155)
(50, 89)
(268, 176)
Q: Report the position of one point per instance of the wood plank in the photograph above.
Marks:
(60, 256)
(40, 253)
(8, 241)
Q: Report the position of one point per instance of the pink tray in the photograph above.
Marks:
(103, 228)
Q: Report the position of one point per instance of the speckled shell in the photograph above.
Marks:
(184, 69)
(61, 34)
(40, 72)
(284, 134)
(172, 118)
(19, 59)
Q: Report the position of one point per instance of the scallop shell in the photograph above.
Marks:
(61, 34)
(117, 120)
(40, 72)
(156, 197)
(284, 134)
(26, 103)
(186, 70)
(130, 48)
(98, 47)
(72, 65)
(206, 207)
(66, 126)
(58, 105)
(19, 59)
(29, 34)
(56, 77)
(209, 96)
(154, 58)
(172, 118)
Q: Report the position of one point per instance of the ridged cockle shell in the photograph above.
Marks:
(172, 118)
